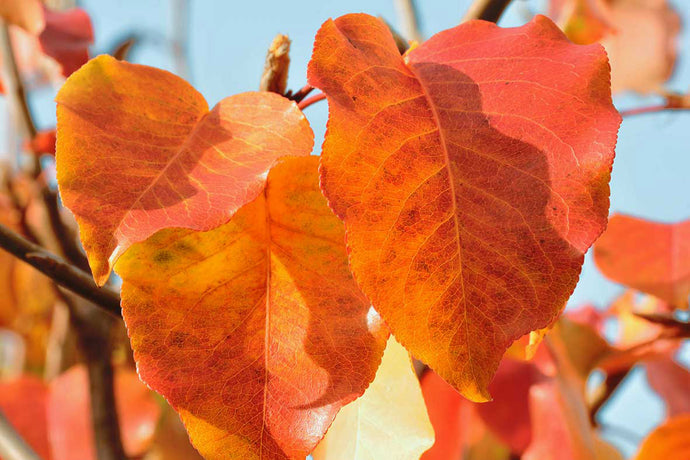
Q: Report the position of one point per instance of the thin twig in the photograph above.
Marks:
(12, 445)
(14, 88)
(611, 383)
(311, 100)
(300, 94)
(58, 270)
(649, 109)
(180, 30)
(408, 19)
(488, 10)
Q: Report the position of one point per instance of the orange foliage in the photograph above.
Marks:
(255, 331)
(139, 151)
(468, 206)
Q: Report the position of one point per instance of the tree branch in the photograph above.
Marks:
(12, 446)
(488, 10)
(94, 330)
(407, 19)
(59, 271)
(14, 88)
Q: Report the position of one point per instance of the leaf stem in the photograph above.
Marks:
(488, 10)
(12, 445)
(64, 274)
(311, 100)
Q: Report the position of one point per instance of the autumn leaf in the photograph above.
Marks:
(139, 151)
(649, 256)
(583, 21)
(668, 441)
(23, 402)
(640, 37)
(468, 205)
(671, 382)
(27, 14)
(460, 432)
(62, 35)
(388, 421)
(508, 416)
(255, 332)
(69, 414)
(66, 38)
(561, 427)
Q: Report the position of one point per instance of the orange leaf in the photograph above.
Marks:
(138, 151)
(667, 442)
(472, 176)
(255, 331)
(649, 256)
(27, 14)
(69, 414)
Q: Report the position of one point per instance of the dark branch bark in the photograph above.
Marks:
(488, 10)
(60, 271)
(94, 329)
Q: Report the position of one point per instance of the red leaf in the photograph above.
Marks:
(671, 382)
(472, 176)
(649, 256)
(508, 415)
(66, 38)
(23, 401)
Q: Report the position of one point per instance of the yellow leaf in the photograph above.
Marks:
(388, 421)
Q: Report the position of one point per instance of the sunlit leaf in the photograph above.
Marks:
(652, 257)
(667, 442)
(388, 421)
(139, 151)
(255, 331)
(468, 203)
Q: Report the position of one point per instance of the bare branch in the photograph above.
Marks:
(59, 271)
(488, 10)
(408, 19)
(14, 88)
(12, 446)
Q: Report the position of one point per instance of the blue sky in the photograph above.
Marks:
(227, 45)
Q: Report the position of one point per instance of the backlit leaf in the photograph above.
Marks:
(66, 38)
(468, 203)
(255, 331)
(671, 382)
(388, 421)
(652, 257)
(667, 442)
(139, 151)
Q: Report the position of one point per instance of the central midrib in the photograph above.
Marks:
(444, 146)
